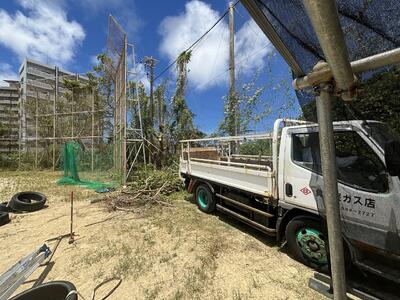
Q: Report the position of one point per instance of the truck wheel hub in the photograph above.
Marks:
(312, 244)
(202, 198)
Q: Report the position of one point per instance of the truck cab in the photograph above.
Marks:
(284, 198)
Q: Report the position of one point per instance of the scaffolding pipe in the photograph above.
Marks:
(36, 130)
(139, 109)
(123, 115)
(82, 112)
(55, 118)
(373, 62)
(92, 141)
(324, 18)
(325, 21)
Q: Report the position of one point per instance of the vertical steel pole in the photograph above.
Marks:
(188, 156)
(71, 236)
(36, 129)
(328, 160)
(229, 151)
(54, 118)
(324, 18)
(124, 109)
(139, 109)
(151, 110)
(92, 150)
(20, 133)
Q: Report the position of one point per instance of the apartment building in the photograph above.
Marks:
(43, 84)
(9, 120)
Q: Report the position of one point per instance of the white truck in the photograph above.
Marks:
(281, 194)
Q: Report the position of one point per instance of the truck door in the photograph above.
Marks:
(368, 196)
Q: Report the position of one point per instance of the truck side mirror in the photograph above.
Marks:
(392, 157)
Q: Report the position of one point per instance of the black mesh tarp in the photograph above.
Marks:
(368, 196)
(370, 27)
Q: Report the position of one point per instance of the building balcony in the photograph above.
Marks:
(42, 74)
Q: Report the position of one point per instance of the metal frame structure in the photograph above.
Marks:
(53, 108)
(135, 139)
(330, 79)
(128, 140)
(25, 142)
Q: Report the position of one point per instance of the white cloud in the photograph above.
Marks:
(42, 31)
(210, 58)
(139, 74)
(252, 47)
(93, 60)
(6, 73)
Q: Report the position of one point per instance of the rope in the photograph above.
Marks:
(111, 291)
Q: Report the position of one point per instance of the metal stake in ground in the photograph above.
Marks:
(72, 234)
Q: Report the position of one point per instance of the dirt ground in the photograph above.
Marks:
(162, 253)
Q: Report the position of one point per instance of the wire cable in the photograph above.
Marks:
(195, 42)
(236, 65)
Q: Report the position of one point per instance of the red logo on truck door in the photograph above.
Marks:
(305, 191)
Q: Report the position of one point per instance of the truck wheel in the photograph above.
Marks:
(205, 199)
(306, 241)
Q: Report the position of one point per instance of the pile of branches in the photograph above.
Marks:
(149, 188)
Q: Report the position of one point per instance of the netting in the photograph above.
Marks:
(59, 107)
(366, 190)
(116, 51)
(116, 39)
(369, 27)
(70, 161)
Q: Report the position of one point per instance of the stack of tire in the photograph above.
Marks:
(20, 203)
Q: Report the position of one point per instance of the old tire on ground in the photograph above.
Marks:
(27, 201)
(204, 198)
(4, 207)
(4, 218)
(54, 290)
(306, 241)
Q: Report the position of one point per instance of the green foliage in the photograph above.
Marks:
(256, 147)
(378, 99)
(151, 179)
(245, 109)
(182, 118)
(5, 130)
(9, 161)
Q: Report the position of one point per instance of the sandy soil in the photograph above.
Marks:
(163, 253)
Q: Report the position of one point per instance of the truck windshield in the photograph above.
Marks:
(380, 132)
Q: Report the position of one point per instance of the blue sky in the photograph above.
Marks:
(71, 33)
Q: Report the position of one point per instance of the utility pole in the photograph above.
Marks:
(150, 63)
(232, 95)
